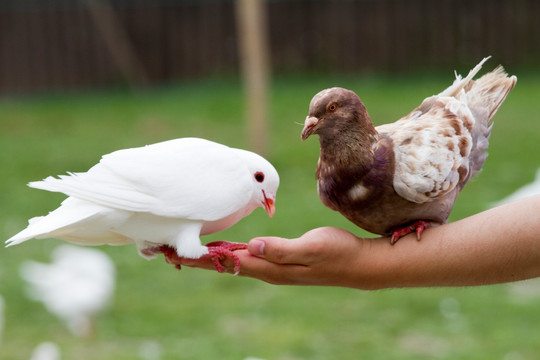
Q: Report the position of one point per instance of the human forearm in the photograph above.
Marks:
(495, 246)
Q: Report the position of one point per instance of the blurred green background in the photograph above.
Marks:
(53, 121)
(195, 314)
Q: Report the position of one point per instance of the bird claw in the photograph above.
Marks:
(219, 250)
(418, 226)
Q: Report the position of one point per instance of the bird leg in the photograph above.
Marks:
(217, 252)
(418, 226)
(171, 257)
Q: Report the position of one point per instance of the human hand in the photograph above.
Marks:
(323, 256)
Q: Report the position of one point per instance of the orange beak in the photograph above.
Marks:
(269, 205)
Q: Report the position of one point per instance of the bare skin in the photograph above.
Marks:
(495, 246)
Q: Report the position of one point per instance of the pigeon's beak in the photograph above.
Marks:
(269, 205)
(309, 126)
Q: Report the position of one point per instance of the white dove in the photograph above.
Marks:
(76, 286)
(162, 197)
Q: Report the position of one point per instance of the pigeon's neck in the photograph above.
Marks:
(352, 144)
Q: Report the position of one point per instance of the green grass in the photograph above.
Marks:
(196, 314)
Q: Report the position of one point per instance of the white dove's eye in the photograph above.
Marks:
(259, 176)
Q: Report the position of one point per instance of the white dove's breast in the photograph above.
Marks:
(210, 227)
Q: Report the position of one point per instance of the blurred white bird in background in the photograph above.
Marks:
(76, 286)
(150, 350)
(162, 197)
(530, 189)
(46, 351)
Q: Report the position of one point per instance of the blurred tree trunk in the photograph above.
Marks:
(117, 42)
(254, 61)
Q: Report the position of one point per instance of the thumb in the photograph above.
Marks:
(277, 250)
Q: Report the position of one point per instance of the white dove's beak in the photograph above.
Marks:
(269, 205)
(309, 126)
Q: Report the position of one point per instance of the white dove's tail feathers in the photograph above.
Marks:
(460, 84)
(63, 184)
(484, 97)
(37, 228)
(41, 227)
(19, 238)
(68, 222)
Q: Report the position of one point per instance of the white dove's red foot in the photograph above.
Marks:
(418, 226)
(217, 252)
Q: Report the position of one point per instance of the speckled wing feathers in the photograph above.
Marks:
(431, 150)
(441, 144)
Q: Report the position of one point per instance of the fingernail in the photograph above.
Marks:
(256, 247)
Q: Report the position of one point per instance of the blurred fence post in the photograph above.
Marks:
(253, 47)
(117, 42)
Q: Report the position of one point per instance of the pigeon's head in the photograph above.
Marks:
(265, 180)
(333, 111)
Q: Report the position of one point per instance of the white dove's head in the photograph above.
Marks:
(265, 180)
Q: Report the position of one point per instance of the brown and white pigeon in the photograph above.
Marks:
(161, 197)
(404, 176)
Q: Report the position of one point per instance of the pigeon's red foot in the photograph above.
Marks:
(418, 226)
(219, 250)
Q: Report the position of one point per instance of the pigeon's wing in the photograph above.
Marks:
(186, 178)
(431, 149)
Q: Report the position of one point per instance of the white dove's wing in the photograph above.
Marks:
(431, 150)
(182, 178)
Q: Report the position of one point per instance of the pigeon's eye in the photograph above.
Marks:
(332, 107)
(259, 176)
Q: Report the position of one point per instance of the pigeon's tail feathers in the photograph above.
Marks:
(487, 94)
(456, 90)
(484, 97)
(459, 84)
